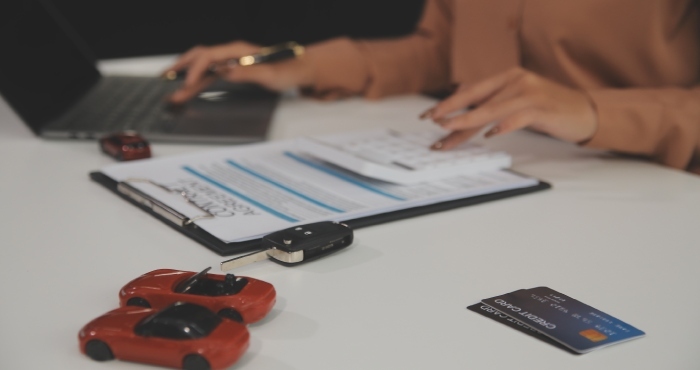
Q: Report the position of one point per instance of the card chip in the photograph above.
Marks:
(593, 335)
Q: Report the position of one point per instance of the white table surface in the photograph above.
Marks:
(619, 234)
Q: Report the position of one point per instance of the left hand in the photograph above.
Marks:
(513, 100)
(278, 76)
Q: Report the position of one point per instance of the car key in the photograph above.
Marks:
(297, 244)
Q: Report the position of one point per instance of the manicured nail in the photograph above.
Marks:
(437, 145)
(493, 131)
(427, 114)
(170, 75)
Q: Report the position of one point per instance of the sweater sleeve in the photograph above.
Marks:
(415, 63)
(662, 124)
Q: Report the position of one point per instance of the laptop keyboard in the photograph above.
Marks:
(119, 103)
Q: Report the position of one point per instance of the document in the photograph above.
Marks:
(253, 190)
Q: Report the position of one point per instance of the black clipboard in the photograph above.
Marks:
(198, 234)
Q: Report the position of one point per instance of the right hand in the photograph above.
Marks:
(512, 100)
(276, 76)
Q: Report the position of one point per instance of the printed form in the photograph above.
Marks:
(253, 190)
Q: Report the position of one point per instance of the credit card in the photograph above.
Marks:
(496, 315)
(564, 319)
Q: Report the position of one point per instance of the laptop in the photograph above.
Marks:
(49, 79)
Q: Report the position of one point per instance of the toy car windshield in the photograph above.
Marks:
(137, 145)
(187, 284)
(200, 284)
(179, 321)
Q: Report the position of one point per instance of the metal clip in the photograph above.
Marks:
(157, 206)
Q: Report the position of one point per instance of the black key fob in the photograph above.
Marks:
(307, 242)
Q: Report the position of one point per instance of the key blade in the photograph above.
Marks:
(244, 260)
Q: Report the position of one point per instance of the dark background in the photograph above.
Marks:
(114, 29)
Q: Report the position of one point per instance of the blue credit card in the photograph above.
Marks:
(564, 319)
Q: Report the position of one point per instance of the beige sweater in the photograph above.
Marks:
(639, 60)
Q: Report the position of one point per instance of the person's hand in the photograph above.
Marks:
(513, 100)
(199, 60)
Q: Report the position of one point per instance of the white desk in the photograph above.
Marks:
(618, 234)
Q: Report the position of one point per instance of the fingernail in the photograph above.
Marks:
(169, 75)
(493, 131)
(173, 75)
(427, 114)
(437, 145)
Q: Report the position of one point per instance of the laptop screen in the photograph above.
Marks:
(43, 72)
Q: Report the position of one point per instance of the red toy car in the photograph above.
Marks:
(183, 335)
(242, 299)
(125, 146)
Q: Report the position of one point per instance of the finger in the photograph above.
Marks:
(219, 56)
(486, 113)
(430, 112)
(453, 139)
(255, 73)
(215, 59)
(201, 62)
(185, 59)
(187, 92)
(197, 70)
(514, 122)
(277, 76)
(471, 95)
(233, 50)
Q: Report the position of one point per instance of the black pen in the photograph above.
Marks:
(269, 54)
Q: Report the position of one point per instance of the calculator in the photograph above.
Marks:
(402, 157)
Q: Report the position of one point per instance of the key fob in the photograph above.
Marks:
(307, 242)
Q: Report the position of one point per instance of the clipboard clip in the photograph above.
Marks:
(157, 206)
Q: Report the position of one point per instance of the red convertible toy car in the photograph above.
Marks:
(182, 335)
(239, 298)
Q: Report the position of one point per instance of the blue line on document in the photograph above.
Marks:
(247, 199)
(277, 184)
(342, 176)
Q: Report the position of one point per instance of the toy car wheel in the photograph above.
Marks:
(231, 314)
(195, 362)
(138, 301)
(98, 350)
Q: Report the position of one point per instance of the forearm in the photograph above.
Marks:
(375, 68)
(663, 124)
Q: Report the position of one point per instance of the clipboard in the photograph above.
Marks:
(187, 227)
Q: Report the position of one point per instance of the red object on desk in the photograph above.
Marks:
(182, 335)
(239, 298)
(125, 146)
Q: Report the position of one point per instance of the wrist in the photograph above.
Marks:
(307, 67)
(334, 68)
(591, 119)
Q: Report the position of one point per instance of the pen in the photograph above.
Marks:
(269, 54)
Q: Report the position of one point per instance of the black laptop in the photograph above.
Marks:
(47, 77)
